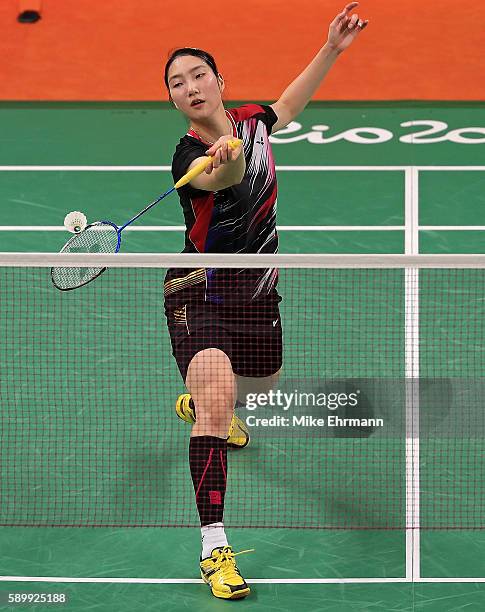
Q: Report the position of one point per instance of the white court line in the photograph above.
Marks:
(251, 581)
(281, 228)
(411, 352)
(85, 168)
(477, 228)
(181, 228)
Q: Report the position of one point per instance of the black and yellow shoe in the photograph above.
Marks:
(220, 572)
(238, 432)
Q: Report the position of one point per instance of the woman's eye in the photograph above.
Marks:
(199, 75)
(175, 85)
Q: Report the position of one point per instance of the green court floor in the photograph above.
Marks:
(372, 186)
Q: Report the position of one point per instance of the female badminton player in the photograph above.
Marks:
(224, 324)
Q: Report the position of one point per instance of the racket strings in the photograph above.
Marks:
(96, 238)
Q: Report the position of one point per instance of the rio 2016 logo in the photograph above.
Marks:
(437, 132)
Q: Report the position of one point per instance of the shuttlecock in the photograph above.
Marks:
(75, 221)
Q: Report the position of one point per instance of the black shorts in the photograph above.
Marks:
(250, 334)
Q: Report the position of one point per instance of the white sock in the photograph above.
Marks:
(213, 536)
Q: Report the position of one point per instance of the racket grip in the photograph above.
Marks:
(201, 166)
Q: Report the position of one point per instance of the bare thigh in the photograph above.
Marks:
(211, 383)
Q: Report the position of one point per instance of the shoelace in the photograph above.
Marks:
(227, 555)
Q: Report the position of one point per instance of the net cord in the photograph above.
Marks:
(226, 260)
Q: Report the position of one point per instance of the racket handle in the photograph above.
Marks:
(200, 167)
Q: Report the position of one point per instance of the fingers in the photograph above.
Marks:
(221, 153)
(347, 8)
(219, 144)
(343, 21)
(225, 153)
(357, 23)
(353, 23)
(213, 149)
(221, 156)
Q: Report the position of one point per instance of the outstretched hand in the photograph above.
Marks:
(345, 28)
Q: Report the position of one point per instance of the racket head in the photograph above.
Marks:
(98, 237)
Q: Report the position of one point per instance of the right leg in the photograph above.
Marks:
(211, 383)
(196, 329)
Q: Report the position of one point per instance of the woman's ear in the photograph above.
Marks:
(222, 85)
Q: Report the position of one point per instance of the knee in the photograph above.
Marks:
(211, 382)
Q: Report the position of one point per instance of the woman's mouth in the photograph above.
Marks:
(197, 102)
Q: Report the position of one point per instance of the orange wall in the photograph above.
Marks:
(115, 49)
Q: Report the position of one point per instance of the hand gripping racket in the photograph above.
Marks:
(105, 236)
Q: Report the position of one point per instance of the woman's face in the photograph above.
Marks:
(194, 88)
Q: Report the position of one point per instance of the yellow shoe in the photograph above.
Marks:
(185, 408)
(220, 572)
(238, 433)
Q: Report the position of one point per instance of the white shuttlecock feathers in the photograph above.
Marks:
(75, 221)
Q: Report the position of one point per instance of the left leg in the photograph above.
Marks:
(258, 349)
(251, 384)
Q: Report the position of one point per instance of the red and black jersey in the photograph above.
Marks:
(239, 219)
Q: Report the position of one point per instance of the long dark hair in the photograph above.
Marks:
(204, 55)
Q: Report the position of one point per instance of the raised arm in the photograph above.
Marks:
(343, 30)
